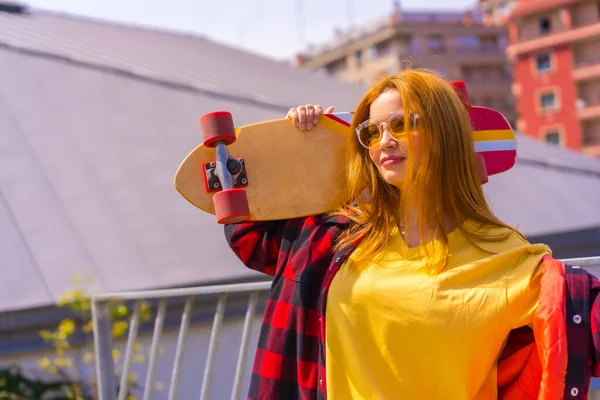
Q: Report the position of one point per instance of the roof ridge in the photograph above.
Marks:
(154, 29)
(115, 23)
(126, 73)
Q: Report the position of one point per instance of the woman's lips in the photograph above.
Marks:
(391, 160)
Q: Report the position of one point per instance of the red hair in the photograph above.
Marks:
(444, 186)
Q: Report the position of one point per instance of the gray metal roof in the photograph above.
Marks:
(550, 190)
(96, 117)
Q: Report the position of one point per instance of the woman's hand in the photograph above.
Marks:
(305, 117)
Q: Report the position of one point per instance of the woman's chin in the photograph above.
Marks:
(393, 179)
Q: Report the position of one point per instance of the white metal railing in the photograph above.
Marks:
(105, 369)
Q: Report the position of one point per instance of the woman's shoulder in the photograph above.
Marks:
(497, 239)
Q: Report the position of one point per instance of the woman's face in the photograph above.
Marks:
(389, 154)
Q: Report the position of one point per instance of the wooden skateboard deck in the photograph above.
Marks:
(292, 173)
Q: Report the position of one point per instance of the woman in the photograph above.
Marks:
(415, 290)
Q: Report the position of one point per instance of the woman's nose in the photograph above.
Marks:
(387, 140)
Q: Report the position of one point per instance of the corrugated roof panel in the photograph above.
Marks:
(542, 201)
(184, 59)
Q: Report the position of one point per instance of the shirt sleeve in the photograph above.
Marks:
(595, 324)
(258, 244)
(523, 289)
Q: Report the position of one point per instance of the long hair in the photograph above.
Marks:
(441, 179)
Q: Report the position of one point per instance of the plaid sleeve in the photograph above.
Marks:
(258, 244)
(595, 324)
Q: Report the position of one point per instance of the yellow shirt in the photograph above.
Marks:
(395, 332)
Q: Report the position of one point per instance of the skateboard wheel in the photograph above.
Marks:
(217, 126)
(231, 206)
(483, 175)
(460, 87)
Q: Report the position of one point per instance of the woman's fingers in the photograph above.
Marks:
(302, 117)
(306, 116)
(310, 116)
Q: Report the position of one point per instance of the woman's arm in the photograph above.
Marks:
(259, 245)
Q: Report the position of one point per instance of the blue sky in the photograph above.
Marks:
(274, 28)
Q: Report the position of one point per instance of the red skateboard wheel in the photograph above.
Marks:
(231, 206)
(217, 126)
(460, 87)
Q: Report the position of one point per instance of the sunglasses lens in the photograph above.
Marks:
(396, 125)
(369, 136)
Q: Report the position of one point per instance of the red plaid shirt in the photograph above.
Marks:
(290, 357)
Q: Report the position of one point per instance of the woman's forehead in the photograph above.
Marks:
(387, 102)
(386, 116)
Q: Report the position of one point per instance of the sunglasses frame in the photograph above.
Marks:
(379, 125)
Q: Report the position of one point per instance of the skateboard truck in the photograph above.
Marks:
(233, 175)
(227, 174)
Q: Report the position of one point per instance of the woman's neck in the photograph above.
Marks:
(410, 229)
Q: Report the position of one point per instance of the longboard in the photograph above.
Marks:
(283, 172)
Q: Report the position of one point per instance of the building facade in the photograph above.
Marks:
(555, 53)
(496, 11)
(459, 45)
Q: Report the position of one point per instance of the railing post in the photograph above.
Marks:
(158, 328)
(241, 362)
(105, 367)
(133, 330)
(179, 350)
(212, 346)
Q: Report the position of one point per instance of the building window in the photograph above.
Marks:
(336, 67)
(467, 43)
(553, 137)
(359, 58)
(543, 62)
(373, 52)
(545, 25)
(415, 44)
(436, 43)
(384, 48)
(502, 43)
(548, 101)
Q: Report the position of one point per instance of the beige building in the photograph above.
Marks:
(457, 44)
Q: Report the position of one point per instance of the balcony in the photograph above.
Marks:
(586, 70)
(591, 149)
(534, 7)
(554, 39)
(479, 48)
(589, 112)
(109, 389)
(590, 143)
(487, 54)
